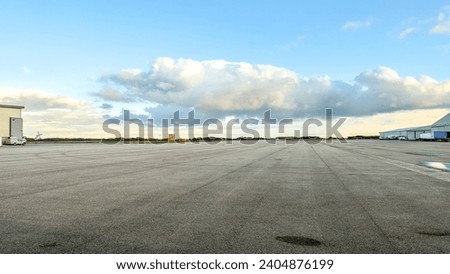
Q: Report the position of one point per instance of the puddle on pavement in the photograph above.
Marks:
(437, 165)
(298, 240)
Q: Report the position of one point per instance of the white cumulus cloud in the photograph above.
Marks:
(213, 86)
(219, 88)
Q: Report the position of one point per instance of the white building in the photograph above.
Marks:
(439, 130)
(441, 127)
(411, 133)
(11, 123)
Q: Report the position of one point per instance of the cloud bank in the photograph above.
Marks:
(219, 88)
(39, 101)
(54, 115)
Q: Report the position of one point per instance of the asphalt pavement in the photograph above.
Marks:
(360, 197)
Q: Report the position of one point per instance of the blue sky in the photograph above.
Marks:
(63, 48)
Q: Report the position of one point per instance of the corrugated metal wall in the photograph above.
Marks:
(16, 129)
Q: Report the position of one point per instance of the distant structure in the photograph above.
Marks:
(171, 138)
(11, 122)
(38, 136)
(440, 130)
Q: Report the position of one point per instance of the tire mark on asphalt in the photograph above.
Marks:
(211, 182)
(358, 202)
(70, 168)
(432, 221)
(225, 175)
(437, 174)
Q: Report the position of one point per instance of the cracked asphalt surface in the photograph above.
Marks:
(361, 197)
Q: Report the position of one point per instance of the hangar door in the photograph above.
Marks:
(16, 127)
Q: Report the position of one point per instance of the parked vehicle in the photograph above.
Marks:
(426, 136)
(16, 141)
(392, 137)
(441, 135)
(402, 138)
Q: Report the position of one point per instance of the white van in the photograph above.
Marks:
(16, 141)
